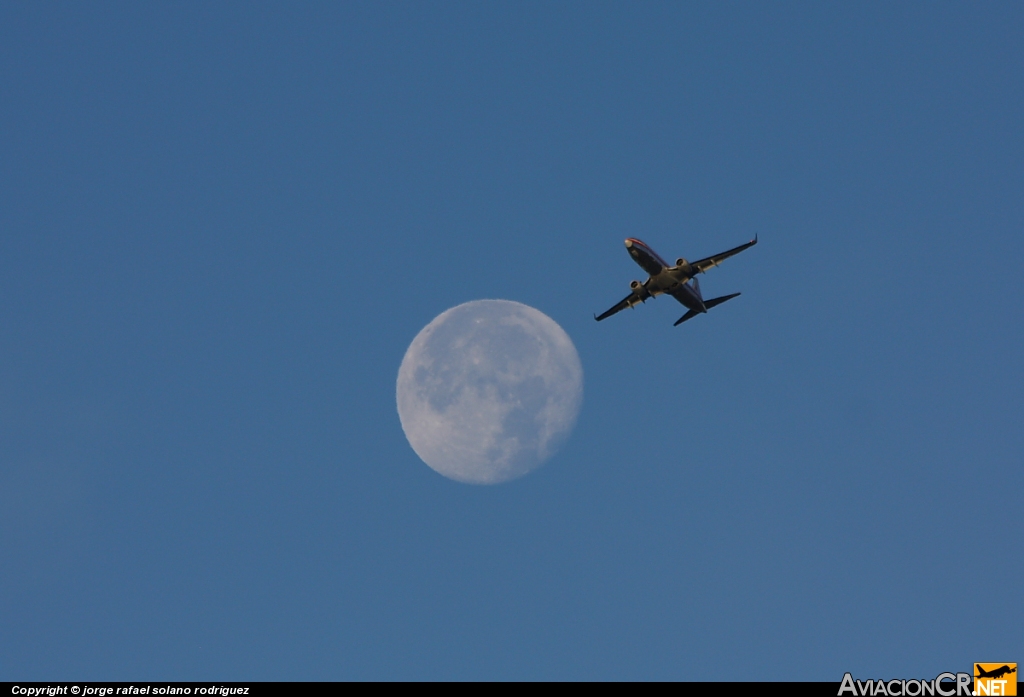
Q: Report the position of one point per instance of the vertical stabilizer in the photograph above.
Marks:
(696, 288)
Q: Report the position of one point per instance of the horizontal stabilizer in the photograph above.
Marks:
(708, 304)
(718, 301)
(689, 315)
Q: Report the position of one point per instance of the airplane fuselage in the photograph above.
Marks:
(665, 278)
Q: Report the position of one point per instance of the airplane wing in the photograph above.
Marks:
(713, 261)
(628, 301)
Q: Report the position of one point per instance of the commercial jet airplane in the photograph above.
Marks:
(679, 281)
(997, 673)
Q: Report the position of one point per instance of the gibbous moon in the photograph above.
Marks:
(489, 390)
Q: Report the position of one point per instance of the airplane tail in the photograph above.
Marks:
(689, 315)
(714, 302)
(718, 301)
(696, 287)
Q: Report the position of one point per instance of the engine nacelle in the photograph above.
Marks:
(684, 265)
(638, 288)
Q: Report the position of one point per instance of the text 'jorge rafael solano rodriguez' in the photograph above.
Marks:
(88, 691)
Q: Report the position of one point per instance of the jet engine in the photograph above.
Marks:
(684, 265)
(638, 288)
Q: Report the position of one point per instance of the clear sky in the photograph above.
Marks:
(222, 224)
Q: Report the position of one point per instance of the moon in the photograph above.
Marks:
(489, 390)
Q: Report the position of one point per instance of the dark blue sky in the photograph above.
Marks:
(221, 226)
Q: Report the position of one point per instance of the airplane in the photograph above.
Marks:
(997, 673)
(679, 281)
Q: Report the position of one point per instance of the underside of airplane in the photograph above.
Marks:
(679, 280)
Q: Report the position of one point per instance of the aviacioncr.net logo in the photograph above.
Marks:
(944, 685)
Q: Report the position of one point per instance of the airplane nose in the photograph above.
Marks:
(629, 243)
